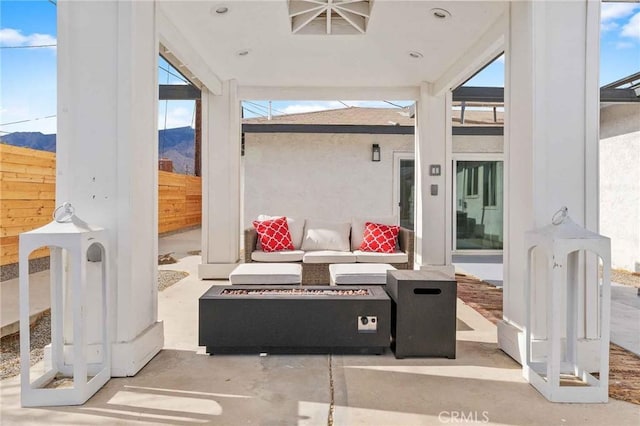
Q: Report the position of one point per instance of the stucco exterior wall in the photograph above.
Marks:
(620, 183)
(322, 176)
(328, 176)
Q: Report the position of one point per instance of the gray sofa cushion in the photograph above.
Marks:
(329, 256)
(321, 235)
(359, 273)
(373, 257)
(266, 273)
(277, 256)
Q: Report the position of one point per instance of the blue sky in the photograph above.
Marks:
(28, 75)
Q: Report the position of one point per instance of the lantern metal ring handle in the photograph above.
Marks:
(560, 216)
(67, 214)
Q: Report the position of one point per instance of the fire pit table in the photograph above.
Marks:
(282, 319)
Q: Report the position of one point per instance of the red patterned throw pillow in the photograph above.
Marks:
(379, 238)
(274, 234)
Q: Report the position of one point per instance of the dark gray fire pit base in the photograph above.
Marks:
(294, 323)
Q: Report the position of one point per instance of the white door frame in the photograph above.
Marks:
(454, 223)
(397, 157)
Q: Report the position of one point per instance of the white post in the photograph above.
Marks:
(221, 134)
(433, 213)
(107, 156)
(551, 138)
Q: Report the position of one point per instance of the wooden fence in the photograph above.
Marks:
(27, 198)
(179, 201)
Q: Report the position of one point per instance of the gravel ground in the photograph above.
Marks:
(168, 278)
(41, 333)
(10, 347)
(625, 277)
(624, 366)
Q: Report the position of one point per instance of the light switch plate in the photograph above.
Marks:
(435, 170)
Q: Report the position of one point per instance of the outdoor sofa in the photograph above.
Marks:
(343, 246)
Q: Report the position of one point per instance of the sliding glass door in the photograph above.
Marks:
(479, 206)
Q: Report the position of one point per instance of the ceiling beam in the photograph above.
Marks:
(478, 94)
(178, 92)
(173, 40)
(364, 129)
(273, 93)
(618, 95)
(328, 128)
(626, 80)
(486, 49)
(496, 94)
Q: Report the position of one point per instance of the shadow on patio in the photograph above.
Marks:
(182, 385)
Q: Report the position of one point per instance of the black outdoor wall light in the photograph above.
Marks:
(375, 152)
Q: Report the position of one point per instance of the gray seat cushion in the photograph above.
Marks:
(329, 256)
(373, 257)
(266, 273)
(359, 273)
(277, 256)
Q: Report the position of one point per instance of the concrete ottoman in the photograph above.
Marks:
(359, 273)
(266, 273)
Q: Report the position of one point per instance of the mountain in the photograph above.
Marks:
(176, 144)
(34, 140)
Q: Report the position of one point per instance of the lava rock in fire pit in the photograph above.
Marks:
(297, 292)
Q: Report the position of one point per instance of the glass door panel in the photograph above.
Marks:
(479, 205)
(406, 201)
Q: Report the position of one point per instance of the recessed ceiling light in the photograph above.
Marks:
(440, 13)
(415, 55)
(243, 52)
(219, 10)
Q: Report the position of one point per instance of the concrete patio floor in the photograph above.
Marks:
(625, 300)
(182, 385)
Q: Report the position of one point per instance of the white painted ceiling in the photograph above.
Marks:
(380, 57)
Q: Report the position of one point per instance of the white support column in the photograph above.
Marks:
(551, 138)
(107, 156)
(221, 134)
(433, 214)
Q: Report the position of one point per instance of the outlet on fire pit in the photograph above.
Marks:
(367, 324)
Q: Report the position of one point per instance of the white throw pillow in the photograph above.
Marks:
(319, 235)
(357, 227)
(296, 229)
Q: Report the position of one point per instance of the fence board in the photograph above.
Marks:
(28, 160)
(27, 198)
(18, 150)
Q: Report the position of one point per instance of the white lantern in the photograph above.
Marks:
(557, 372)
(79, 303)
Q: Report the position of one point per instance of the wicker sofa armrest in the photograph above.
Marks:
(250, 241)
(406, 242)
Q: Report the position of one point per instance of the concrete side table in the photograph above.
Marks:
(423, 313)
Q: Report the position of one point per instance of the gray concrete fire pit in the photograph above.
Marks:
(282, 319)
